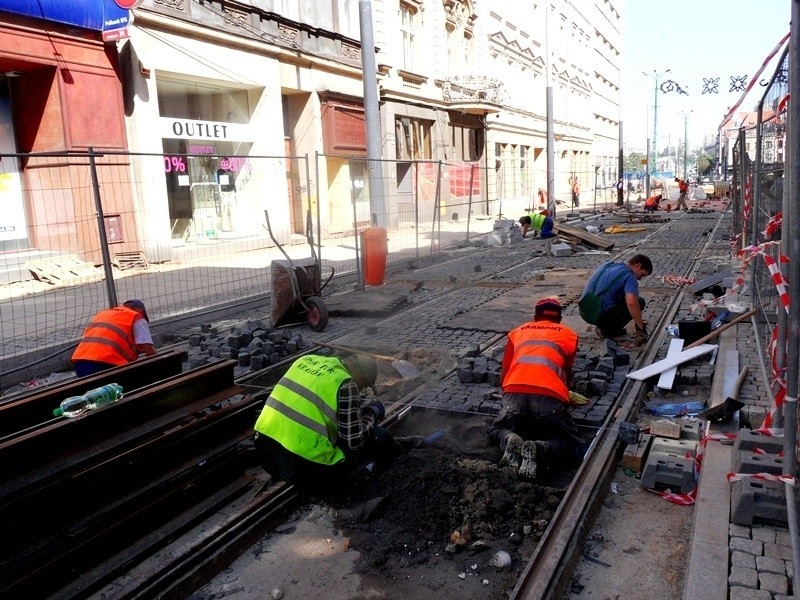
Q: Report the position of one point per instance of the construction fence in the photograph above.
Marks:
(758, 198)
(188, 233)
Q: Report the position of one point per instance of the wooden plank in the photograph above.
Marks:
(635, 454)
(667, 378)
(584, 236)
(667, 363)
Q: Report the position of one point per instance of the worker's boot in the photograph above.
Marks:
(528, 467)
(411, 442)
(512, 456)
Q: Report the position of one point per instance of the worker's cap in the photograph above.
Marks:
(548, 306)
(138, 306)
(365, 369)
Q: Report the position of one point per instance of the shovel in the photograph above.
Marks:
(406, 369)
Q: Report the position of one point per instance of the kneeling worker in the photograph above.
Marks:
(534, 428)
(540, 222)
(115, 337)
(314, 429)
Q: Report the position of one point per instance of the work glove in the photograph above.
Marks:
(376, 408)
(640, 337)
(576, 399)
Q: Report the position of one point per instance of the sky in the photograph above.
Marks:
(696, 40)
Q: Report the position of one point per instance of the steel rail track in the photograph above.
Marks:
(547, 574)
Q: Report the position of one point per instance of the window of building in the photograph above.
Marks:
(408, 31)
(459, 33)
(347, 19)
(466, 143)
(413, 138)
(288, 8)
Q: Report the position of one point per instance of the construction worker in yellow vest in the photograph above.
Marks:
(315, 430)
(541, 222)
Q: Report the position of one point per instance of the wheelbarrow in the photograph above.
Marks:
(296, 286)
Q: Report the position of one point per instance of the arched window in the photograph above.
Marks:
(459, 24)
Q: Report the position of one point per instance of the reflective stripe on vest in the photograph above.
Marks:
(300, 413)
(541, 360)
(109, 338)
(542, 349)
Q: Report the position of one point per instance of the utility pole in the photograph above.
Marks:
(656, 76)
(685, 138)
(377, 207)
(551, 140)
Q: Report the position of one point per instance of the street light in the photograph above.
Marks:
(685, 114)
(656, 76)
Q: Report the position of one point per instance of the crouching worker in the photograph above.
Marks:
(534, 428)
(540, 222)
(115, 337)
(652, 203)
(314, 429)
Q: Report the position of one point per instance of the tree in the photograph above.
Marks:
(633, 162)
(705, 164)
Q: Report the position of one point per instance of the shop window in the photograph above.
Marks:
(413, 138)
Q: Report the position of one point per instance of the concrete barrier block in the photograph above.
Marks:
(692, 429)
(663, 471)
(751, 462)
(748, 440)
(669, 447)
(758, 500)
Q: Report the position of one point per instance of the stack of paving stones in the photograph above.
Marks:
(761, 563)
(253, 344)
(504, 232)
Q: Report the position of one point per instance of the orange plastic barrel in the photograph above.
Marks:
(375, 248)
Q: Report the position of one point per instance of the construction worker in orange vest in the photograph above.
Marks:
(683, 190)
(115, 336)
(534, 427)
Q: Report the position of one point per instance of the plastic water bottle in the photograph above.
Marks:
(77, 405)
(72, 407)
(102, 396)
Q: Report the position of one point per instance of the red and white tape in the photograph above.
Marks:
(761, 477)
(773, 225)
(753, 80)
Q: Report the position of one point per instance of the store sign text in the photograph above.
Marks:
(187, 129)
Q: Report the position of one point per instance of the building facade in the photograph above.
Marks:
(214, 111)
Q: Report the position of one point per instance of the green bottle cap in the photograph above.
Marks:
(57, 412)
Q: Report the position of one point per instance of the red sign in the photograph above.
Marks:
(128, 4)
(112, 35)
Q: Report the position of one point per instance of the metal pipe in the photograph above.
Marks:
(111, 290)
(371, 115)
(790, 232)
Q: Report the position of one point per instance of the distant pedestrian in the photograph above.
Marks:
(542, 199)
(620, 192)
(576, 192)
(115, 337)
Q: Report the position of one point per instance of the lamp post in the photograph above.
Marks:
(685, 139)
(656, 76)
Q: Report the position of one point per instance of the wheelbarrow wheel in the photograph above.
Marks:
(317, 315)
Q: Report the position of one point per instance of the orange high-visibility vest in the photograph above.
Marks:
(542, 353)
(109, 338)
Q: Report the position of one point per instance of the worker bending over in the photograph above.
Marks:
(315, 430)
(534, 428)
(541, 222)
(114, 337)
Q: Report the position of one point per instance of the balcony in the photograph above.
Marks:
(475, 94)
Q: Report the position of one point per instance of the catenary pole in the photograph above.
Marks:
(377, 207)
(551, 140)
